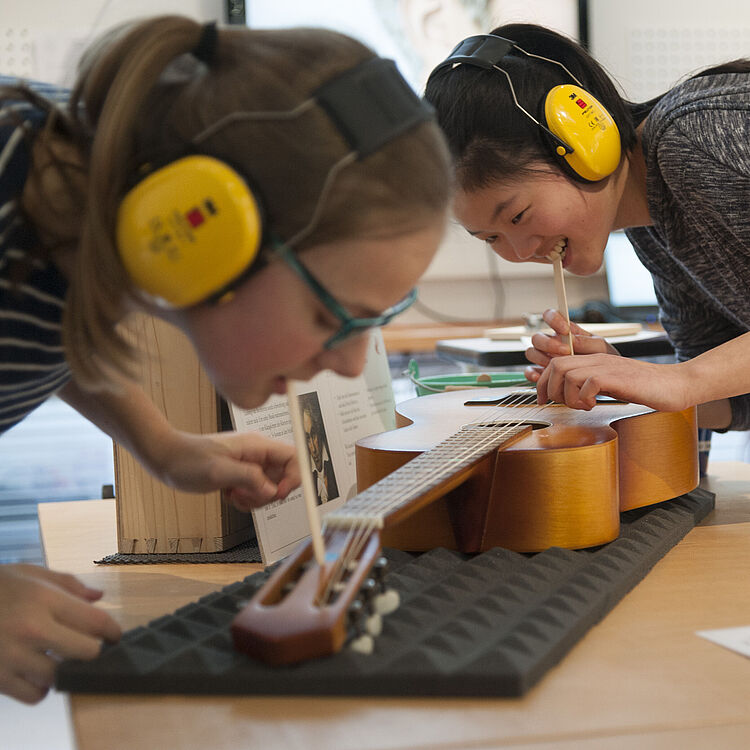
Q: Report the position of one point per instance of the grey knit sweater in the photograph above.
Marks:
(696, 143)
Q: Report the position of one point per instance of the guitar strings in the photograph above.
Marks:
(379, 506)
(479, 448)
(360, 530)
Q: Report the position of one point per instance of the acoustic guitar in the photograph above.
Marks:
(470, 473)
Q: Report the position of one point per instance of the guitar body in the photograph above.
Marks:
(467, 473)
(563, 484)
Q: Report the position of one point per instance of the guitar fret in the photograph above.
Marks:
(421, 474)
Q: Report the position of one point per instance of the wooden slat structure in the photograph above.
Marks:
(151, 517)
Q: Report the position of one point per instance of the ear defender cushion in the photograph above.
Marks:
(582, 122)
(188, 230)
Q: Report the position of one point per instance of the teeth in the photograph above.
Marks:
(558, 250)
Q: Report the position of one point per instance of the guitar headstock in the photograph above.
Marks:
(305, 611)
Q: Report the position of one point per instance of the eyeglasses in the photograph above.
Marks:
(350, 326)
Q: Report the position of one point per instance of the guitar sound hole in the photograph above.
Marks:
(609, 400)
(511, 425)
(528, 398)
(517, 398)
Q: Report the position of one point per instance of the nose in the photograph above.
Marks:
(346, 359)
(517, 247)
(525, 246)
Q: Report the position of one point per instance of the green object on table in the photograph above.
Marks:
(439, 383)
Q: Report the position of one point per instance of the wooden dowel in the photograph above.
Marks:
(562, 299)
(303, 457)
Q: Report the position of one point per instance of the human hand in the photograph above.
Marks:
(45, 617)
(545, 347)
(577, 381)
(253, 469)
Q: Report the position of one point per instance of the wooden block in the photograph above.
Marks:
(151, 517)
(607, 330)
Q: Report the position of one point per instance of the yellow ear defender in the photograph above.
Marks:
(188, 230)
(583, 132)
(191, 230)
(585, 126)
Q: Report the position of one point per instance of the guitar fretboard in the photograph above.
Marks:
(422, 474)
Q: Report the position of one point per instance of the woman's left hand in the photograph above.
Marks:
(254, 469)
(576, 381)
(544, 347)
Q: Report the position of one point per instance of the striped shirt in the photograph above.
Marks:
(696, 143)
(32, 360)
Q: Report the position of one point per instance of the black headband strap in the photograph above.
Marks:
(205, 49)
(487, 51)
(372, 104)
(483, 51)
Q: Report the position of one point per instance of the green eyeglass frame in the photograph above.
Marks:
(350, 325)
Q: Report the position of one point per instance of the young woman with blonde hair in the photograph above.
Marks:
(339, 182)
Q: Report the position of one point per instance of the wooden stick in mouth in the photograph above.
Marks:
(562, 299)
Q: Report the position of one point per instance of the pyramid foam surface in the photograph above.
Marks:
(485, 625)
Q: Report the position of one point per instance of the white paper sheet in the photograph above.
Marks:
(736, 639)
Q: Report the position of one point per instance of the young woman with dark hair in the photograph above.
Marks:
(679, 186)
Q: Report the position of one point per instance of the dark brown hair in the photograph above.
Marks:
(490, 138)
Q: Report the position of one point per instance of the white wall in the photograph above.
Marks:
(42, 39)
(648, 46)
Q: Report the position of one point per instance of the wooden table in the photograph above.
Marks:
(422, 337)
(639, 679)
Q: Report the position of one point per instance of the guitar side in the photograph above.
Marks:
(564, 484)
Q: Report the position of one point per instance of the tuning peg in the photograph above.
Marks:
(374, 624)
(357, 615)
(386, 602)
(362, 639)
(365, 644)
(369, 587)
(379, 567)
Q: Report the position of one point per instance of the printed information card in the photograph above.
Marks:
(336, 412)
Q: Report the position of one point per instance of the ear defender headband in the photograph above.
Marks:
(192, 230)
(584, 134)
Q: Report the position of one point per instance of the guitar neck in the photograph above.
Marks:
(425, 478)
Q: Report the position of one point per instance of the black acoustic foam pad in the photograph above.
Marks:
(485, 625)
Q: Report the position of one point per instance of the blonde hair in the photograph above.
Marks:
(141, 97)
